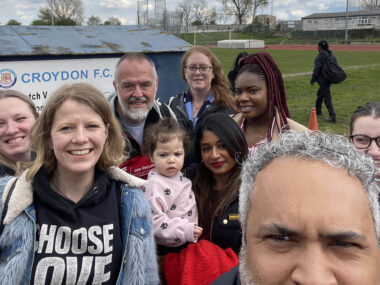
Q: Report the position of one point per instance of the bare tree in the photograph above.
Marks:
(199, 8)
(184, 8)
(94, 21)
(68, 9)
(370, 5)
(210, 16)
(239, 8)
(112, 21)
(257, 4)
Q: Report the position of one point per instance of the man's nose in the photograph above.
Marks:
(313, 267)
(139, 91)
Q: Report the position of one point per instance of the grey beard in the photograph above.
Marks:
(136, 115)
(245, 275)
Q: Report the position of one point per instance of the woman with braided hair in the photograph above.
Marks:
(261, 99)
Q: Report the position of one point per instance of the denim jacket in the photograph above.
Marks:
(139, 264)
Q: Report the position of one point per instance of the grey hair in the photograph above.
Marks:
(333, 149)
(138, 56)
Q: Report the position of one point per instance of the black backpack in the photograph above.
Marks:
(333, 72)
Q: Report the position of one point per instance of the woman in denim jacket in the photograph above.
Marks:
(73, 217)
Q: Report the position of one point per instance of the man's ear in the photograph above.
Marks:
(115, 86)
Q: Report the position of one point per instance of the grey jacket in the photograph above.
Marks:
(139, 264)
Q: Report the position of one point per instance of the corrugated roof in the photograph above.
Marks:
(342, 14)
(81, 40)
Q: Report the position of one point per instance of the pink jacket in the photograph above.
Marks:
(174, 209)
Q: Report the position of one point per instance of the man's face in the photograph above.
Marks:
(309, 225)
(136, 88)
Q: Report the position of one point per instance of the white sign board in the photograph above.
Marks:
(40, 78)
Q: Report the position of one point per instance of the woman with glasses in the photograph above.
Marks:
(208, 92)
(365, 132)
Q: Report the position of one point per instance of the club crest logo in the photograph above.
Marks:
(8, 78)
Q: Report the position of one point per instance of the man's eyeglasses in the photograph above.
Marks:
(363, 141)
(202, 68)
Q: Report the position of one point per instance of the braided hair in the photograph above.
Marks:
(263, 65)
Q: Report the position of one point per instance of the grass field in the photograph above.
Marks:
(361, 86)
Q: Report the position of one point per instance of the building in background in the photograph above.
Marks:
(337, 21)
(295, 25)
(267, 21)
(36, 60)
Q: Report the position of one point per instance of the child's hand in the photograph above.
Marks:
(197, 232)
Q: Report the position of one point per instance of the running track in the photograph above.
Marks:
(332, 47)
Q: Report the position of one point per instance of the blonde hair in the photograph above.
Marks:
(16, 166)
(83, 93)
(219, 84)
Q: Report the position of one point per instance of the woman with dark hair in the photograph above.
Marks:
(324, 93)
(17, 116)
(260, 97)
(208, 93)
(232, 74)
(74, 216)
(365, 132)
(220, 149)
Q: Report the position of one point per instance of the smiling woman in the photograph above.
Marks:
(208, 93)
(261, 99)
(220, 149)
(17, 116)
(74, 194)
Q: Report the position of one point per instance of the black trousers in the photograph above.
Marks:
(324, 95)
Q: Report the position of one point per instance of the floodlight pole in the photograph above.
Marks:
(51, 12)
(346, 31)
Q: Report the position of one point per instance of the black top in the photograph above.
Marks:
(77, 243)
(231, 277)
(6, 171)
(319, 61)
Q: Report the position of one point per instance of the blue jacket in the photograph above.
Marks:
(139, 264)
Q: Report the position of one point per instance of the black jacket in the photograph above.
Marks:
(231, 277)
(177, 104)
(226, 228)
(319, 61)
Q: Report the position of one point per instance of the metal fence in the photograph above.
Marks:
(209, 35)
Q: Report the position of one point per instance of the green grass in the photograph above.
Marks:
(361, 86)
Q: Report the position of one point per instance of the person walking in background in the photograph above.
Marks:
(324, 92)
(17, 116)
(175, 213)
(135, 106)
(261, 99)
(74, 217)
(365, 132)
(233, 73)
(208, 93)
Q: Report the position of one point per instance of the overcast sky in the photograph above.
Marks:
(25, 11)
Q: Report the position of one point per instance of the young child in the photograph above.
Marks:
(174, 209)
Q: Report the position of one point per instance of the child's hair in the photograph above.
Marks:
(163, 131)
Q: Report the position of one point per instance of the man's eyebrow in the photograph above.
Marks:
(277, 228)
(343, 235)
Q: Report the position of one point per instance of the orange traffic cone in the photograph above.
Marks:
(313, 123)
